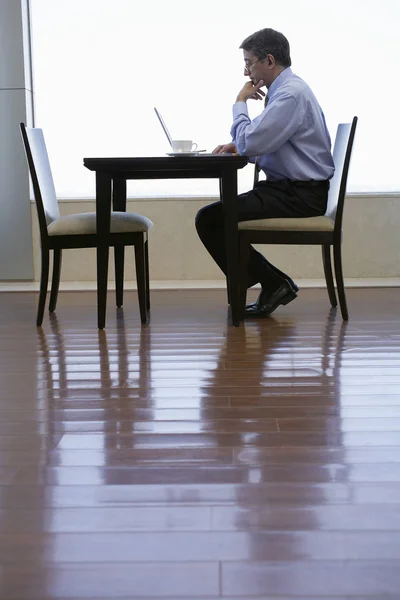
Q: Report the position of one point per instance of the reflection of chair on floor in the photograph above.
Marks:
(59, 364)
(109, 408)
(79, 231)
(332, 351)
(129, 407)
(52, 376)
(325, 230)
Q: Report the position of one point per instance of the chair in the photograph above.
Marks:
(325, 230)
(79, 231)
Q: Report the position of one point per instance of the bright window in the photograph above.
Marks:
(101, 65)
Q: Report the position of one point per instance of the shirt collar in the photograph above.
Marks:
(282, 77)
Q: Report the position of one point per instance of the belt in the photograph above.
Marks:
(321, 183)
(309, 183)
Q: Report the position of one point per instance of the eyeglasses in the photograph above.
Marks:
(247, 66)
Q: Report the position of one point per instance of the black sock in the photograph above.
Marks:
(281, 274)
(271, 281)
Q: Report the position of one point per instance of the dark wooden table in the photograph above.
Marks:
(111, 177)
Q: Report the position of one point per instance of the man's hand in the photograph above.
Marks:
(231, 148)
(249, 90)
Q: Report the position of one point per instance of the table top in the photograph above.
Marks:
(166, 163)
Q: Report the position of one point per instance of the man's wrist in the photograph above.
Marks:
(241, 98)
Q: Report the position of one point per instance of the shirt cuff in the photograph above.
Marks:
(239, 108)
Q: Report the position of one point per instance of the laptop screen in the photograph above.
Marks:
(163, 125)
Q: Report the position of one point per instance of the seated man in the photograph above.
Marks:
(291, 143)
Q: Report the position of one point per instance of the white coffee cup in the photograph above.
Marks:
(183, 146)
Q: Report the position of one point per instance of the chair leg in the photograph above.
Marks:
(337, 255)
(44, 280)
(146, 257)
(326, 261)
(141, 279)
(102, 278)
(119, 259)
(244, 254)
(228, 295)
(55, 283)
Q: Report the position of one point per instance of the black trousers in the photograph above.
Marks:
(268, 200)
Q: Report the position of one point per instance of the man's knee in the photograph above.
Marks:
(209, 217)
(201, 218)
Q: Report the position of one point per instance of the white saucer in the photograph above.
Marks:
(193, 153)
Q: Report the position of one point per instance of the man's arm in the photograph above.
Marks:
(270, 130)
(248, 91)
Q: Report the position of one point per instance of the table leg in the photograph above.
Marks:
(119, 204)
(103, 217)
(228, 189)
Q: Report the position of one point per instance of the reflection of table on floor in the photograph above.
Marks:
(111, 177)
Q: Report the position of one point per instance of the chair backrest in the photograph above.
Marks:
(42, 179)
(341, 158)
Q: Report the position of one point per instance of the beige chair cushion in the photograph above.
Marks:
(85, 223)
(303, 224)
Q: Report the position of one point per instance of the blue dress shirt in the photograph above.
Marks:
(289, 138)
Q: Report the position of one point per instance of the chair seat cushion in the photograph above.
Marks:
(322, 223)
(85, 223)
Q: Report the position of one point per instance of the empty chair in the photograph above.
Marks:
(79, 231)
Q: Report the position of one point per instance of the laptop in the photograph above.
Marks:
(169, 138)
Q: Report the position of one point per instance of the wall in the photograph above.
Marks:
(371, 246)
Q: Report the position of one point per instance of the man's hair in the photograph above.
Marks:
(268, 41)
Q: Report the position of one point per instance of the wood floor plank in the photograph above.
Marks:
(288, 577)
(183, 546)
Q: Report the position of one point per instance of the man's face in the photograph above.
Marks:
(258, 68)
(254, 67)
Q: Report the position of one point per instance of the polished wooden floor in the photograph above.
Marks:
(191, 459)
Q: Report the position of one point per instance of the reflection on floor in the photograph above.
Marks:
(191, 459)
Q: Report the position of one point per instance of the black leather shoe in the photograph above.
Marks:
(261, 296)
(267, 302)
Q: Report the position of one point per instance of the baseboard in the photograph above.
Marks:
(69, 286)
